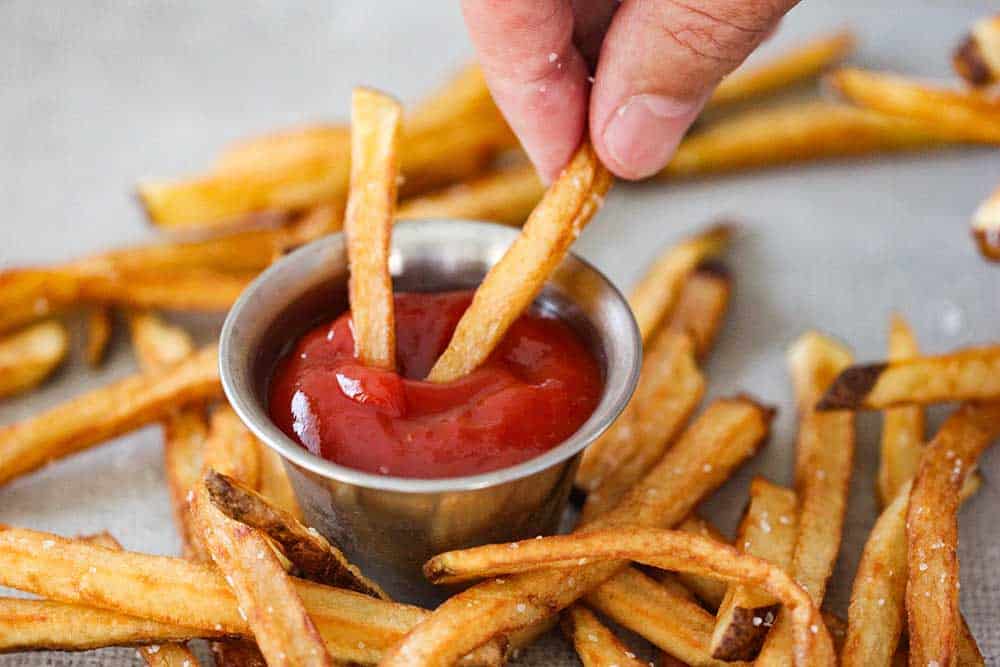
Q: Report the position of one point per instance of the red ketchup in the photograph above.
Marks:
(534, 391)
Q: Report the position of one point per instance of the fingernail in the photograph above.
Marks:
(644, 132)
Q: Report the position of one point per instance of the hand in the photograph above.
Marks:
(655, 63)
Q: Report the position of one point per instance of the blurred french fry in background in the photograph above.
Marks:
(977, 58)
(31, 355)
(702, 306)
(986, 227)
(99, 325)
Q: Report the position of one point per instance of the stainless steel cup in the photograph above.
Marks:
(389, 526)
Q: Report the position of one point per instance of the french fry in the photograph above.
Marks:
(198, 290)
(794, 66)
(977, 58)
(702, 306)
(314, 558)
(231, 448)
(666, 549)
(505, 195)
(595, 644)
(656, 295)
(934, 623)
(709, 591)
(106, 413)
(798, 132)
(282, 628)
(823, 459)
(670, 388)
(274, 484)
(371, 206)
(513, 282)
(966, 116)
(465, 94)
(29, 356)
(726, 434)
(903, 427)
(969, 374)
(36, 625)
(986, 227)
(28, 295)
(99, 323)
(158, 345)
(768, 530)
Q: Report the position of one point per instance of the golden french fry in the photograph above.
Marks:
(977, 58)
(274, 483)
(464, 94)
(798, 132)
(903, 427)
(969, 374)
(823, 459)
(968, 652)
(768, 530)
(157, 345)
(656, 295)
(106, 413)
(727, 434)
(231, 448)
(312, 555)
(282, 628)
(199, 290)
(513, 282)
(965, 116)
(99, 323)
(595, 644)
(986, 227)
(794, 66)
(29, 356)
(709, 591)
(506, 195)
(702, 305)
(666, 549)
(27, 295)
(371, 206)
(934, 623)
(36, 625)
(670, 388)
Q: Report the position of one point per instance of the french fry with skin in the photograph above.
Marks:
(768, 530)
(823, 459)
(903, 427)
(966, 116)
(371, 206)
(594, 643)
(31, 355)
(312, 555)
(99, 324)
(933, 618)
(666, 549)
(729, 432)
(512, 283)
(977, 58)
(106, 413)
(969, 374)
(986, 227)
(787, 69)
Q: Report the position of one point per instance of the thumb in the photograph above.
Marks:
(660, 61)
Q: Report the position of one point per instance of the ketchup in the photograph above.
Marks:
(535, 390)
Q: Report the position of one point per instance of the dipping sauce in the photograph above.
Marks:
(536, 389)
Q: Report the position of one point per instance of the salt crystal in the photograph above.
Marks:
(707, 467)
(521, 607)
(361, 644)
(514, 545)
(922, 567)
(48, 544)
(153, 649)
(814, 628)
(590, 79)
(592, 637)
(784, 520)
(757, 620)
(553, 57)
(881, 602)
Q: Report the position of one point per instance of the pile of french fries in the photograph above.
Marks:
(265, 588)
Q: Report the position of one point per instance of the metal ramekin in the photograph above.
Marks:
(390, 525)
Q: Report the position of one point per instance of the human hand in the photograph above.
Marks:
(654, 64)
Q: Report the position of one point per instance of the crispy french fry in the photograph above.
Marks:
(823, 459)
(768, 530)
(371, 206)
(99, 323)
(506, 195)
(986, 227)
(665, 617)
(106, 413)
(595, 644)
(656, 295)
(274, 484)
(794, 66)
(969, 374)
(666, 549)
(311, 554)
(964, 115)
(798, 132)
(670, 388)
(934, 622)
(903, 427)
(29, 356)
(513, 282)
(36, 625)
(709, 591)
(702, 306)
(727, 434)
(282, 628)
(977, 58)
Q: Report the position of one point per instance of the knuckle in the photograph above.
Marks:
(724, 32)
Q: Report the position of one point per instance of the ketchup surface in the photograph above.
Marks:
(535, 390)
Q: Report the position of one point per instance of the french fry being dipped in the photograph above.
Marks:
(977, 58)
(29, 356)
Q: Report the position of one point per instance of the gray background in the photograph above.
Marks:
(94, 96)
